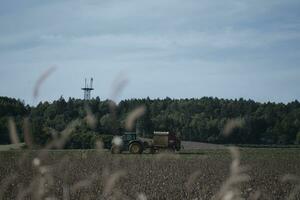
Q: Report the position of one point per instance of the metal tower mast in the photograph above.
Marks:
(88, 87)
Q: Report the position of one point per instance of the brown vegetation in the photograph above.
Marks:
(100, 175)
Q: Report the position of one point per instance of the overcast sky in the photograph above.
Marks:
(175, 48)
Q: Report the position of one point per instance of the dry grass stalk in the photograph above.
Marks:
(191, 180)
(296, 190)
(27, 135)
(112, 108)
(23, 192)
(30, 189)
(84, 183)
(118, 86)
(142, 196)
(99, 145)
(133, 116)
(40, 183)
(255, 196)
(13, 131)
(50, 198)
(5, 183)
(60, 142)
(41, 80)
(111, 182)
(90, 117)
(230, 188)
(117, 140)
(233, 124)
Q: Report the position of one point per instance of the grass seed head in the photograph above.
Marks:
(13, 131)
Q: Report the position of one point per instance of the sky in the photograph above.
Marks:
(139, 48)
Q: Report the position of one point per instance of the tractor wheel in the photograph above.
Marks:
(116, 150)
(136, 148)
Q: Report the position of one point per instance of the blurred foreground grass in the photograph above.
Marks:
(96, 174)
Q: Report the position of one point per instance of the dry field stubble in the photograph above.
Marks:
(100, 175)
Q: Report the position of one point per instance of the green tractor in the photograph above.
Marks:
(128, 142)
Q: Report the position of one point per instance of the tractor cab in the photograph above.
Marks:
(130, 142)
(129, 136)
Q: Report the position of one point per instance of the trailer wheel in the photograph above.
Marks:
(136, 148)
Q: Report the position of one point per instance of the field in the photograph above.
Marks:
(196, 174)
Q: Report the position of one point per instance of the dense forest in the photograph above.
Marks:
(192, 119)
(11, 108)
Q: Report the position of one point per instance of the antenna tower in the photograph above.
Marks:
(88, 87)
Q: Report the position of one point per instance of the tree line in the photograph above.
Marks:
(202, 120)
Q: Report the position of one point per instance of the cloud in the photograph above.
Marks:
(196, 41)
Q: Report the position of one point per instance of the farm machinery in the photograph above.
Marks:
(136, 145)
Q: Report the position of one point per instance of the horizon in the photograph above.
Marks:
(152, 99)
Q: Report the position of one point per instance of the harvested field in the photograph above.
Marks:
(97, 175)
